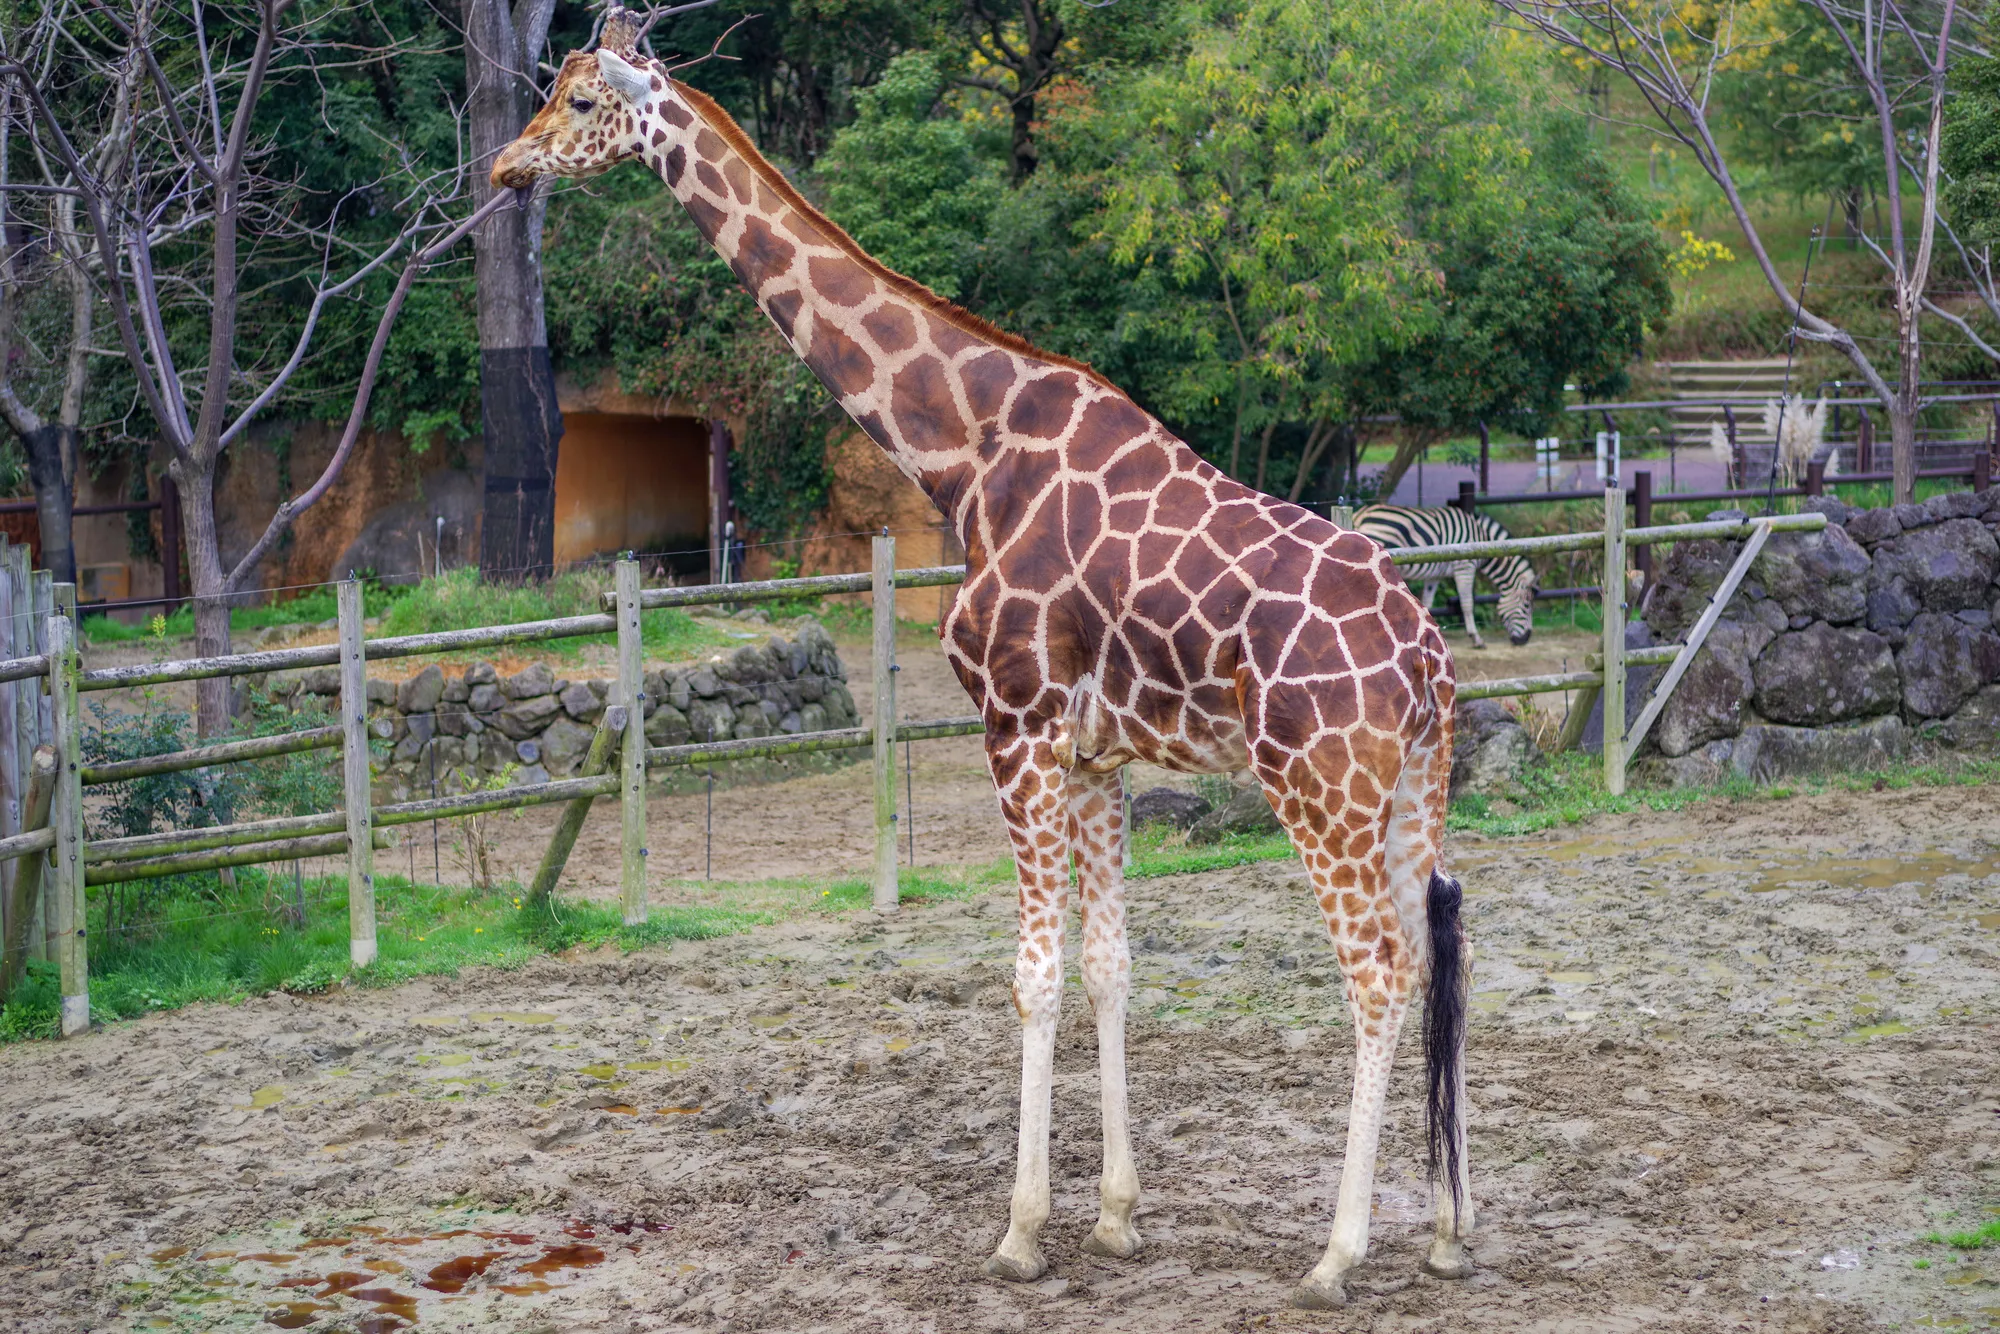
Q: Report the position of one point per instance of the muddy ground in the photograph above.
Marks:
(1728, 1066)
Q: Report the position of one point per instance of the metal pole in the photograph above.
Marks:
(1642, 517)
(1613, 597)
(355, 776)
(885, 723)
(909, 801)
(632, 788)
(66, 816)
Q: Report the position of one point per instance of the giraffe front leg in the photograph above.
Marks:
(1097, 823)
(1031, 788)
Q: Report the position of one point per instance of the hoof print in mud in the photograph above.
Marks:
(1312, 1295)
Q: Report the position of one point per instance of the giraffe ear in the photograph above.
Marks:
(628, 79)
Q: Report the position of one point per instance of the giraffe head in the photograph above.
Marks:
(591, 123)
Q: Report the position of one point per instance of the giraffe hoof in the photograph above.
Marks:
(1448, 1262)
(1314, 1294)
(1014, 1269)
(1112, 1240)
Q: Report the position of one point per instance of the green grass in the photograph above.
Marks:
(1978, 1239)
(1567, 789)
(308, 608)
(200, 943)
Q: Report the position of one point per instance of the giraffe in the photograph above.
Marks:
(1123, 601)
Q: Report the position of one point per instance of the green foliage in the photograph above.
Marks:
(190, 799)
(461, 600)
(910, 186)
(1969, 151)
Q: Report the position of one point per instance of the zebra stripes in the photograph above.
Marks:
(1511, 576)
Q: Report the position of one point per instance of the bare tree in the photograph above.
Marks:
(1899, 56)
(198, 76)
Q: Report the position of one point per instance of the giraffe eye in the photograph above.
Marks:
(581, 105)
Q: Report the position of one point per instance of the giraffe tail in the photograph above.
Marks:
(1444, 1033)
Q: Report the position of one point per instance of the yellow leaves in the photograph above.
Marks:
(1695, 254)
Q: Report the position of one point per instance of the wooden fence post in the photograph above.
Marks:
(1864, 443)
(66, 813)
(28, 629)
(355, 776)
(632, 761)
(1485, 459)
(602, 742)
(1738, 465)
(12, 784)
(1613, 599)
(1642, 517)
(1982, 471)
(885, 723)
(1816, 477)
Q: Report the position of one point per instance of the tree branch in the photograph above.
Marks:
(358, 414)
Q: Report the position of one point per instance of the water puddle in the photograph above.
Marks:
(367, 1279)
(1869, 872)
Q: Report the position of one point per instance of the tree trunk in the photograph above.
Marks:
(1903, 446)
(518, 415)
(213, 711)
(51, 451)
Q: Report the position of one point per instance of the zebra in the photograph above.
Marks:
(1511, 576)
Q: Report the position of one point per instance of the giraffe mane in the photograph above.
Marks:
(719, 120)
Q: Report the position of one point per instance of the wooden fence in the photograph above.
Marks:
(54, 863)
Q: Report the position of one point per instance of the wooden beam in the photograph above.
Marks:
(610, 733)
(632, 761)
(66, 816)
(885, 723)
(27, 886)
(1699, 635)
(200, 757)
(356, 775)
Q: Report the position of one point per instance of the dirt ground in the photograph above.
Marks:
(1727, 1067)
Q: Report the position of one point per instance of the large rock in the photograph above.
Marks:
(668, 726)
(524, 718)
(1170, 806)
(1822, 575)
(710, 720)
(1975, 727)
(1489, 748)
(1825, 674)
(529, 683)
(1947, 565)
(1245, 813)
(1688, 576)
(582, 703)
(423, 692)
(1891, 607)
(485, 701)
(1943, 661)
(1711, 700)
(564, 745)
(1871, 526)
(1766, 754)
(1638, 689)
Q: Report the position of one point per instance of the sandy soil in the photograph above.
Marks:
(1727, 1067)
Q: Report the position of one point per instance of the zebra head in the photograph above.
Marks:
(1515, 579)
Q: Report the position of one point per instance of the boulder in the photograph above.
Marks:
(710, 720)
(1247, 812)
(529, 774)
(812, 718)
(1710, 702)
(1822, 576)
(382, 693)
(752, 721)
(1946, 565)
(530, 683)
(1948, 505)
(1825, 674)
(1768, 754)
(1942, 662)
(840, 710)
(581, 702)
(457, 690)
(1489, 748)
(528, 752)
(1170, 806)
(486, 701)
(481, 674)
(668, 726)
(564, 745)
(1687, 578)
(1871, 526)
(525, 717)
(323, 681)
(1975, 727)
(1638, 689)
(1891, 607)
(423, 692)
(704, 682)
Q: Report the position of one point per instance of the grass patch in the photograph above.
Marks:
(1978, 1239)
(1569, 788)
(461, 600)
(196, 942)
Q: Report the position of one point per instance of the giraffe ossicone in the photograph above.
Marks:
(1124, 601)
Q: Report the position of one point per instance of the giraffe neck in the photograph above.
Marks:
(927, 381)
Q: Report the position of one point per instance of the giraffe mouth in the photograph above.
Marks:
(512, 172)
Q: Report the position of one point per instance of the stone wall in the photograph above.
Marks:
(468, 723)
(1843, 648)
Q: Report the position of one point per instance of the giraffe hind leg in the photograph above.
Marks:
(1097, 821)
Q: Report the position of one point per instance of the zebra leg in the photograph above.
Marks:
(1462, 572)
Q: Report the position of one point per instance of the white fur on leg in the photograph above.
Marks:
(1374, 1054)
(1118, 1190)
(1462, 572)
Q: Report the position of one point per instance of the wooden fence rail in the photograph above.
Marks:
(620, 751)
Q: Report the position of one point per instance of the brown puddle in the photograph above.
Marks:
(294, 1315)
(563, 1257)
(269, 1257)
(170, 1253)
(453, 1275)
(524, 1289)
(579, 1229)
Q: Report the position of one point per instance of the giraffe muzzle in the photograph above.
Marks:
(512, 172)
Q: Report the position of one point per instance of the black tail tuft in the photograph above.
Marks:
(1444, 1030)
